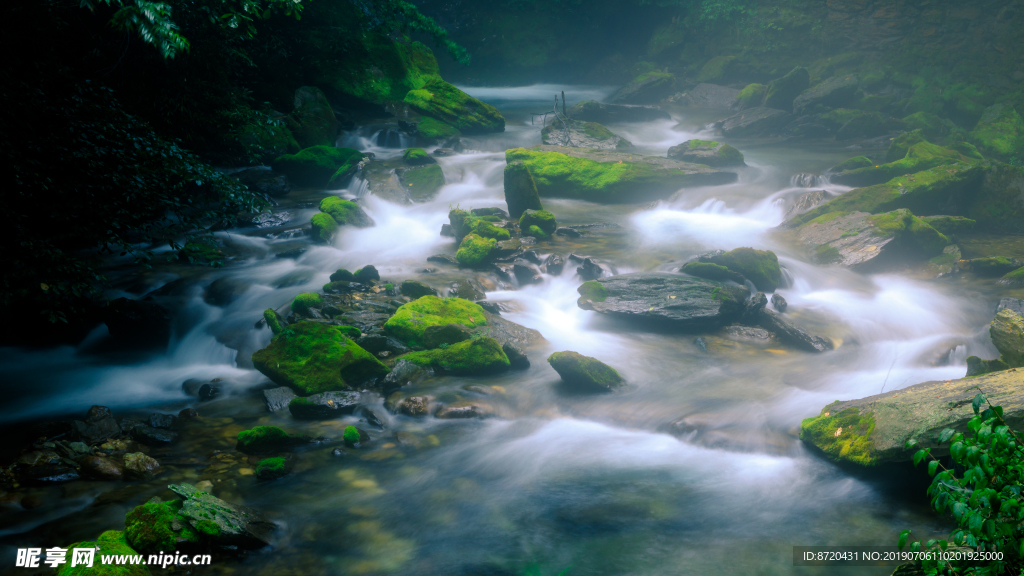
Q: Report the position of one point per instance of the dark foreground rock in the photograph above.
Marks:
(583, 373)
(239, 526)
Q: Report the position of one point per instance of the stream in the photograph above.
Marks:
(694, 468)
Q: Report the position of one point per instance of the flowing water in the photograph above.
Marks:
(557, 480)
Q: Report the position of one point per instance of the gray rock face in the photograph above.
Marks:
(672, 300)
(1015, 304)
(806, 202)
(755, 121)
(833, 92)
(520, 190)
(324, 406)
(851, 240)
(1007, 331)
(516, 357)
(707, 96)
(436, 336)
(583, 135)
(277, 399)
(791, 335)
(402, 373)
(591, 111)
(647, 91)
(708, 153)
(781, 92)
(240, 526)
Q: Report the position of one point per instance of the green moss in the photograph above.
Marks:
(977, 367)
(899, 147)
(485, 229)
(111, 542)
(343, 211)
(411, 320)
(751, 95)
(462, 222)
(844, 436)
(342, 275)
(782, 91)
(950, 225)
(474, 357)
(593, 290)
(267, 469)
(273, 320)
(474, 250)
(826, 254)
(312, 357)
(414, 289)
(584, 372)
(209, 528)
(967, 149)
(536, 232)
(303, 302)
(759, 266)
(351, 435)
(422, 183)
(1000, 132)
(715, 69)
(389, 286)
(350, 331)
(711, 272)
(201, 251)
(993, 265)
(378, 69)
(317, 166)
(1017, 276)
(441, 100)
(828, 217)
(149, 528)
(434, 130)
(541, 219)
(416, 156)
(919, 157)
(911, 230)
(853, 164)
(323, 228)
(931, 126)
(264, 439)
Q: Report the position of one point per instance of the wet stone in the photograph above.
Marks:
(277, 399)
(152, 436)
(324, 406)
(165, 421)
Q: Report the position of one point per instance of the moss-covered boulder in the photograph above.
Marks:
(852, 164)
(711, 272)
(415, 289)
(591, 111)
(273, 468)
(756, 121)
(997, 204)
(950, 225)
(999, 132)
(874, 430)
(707, 152)
(431, 130)
(582, 134)
(542, 219)
(267, 440)
(781, 92)
(520, 190)
(717, 69)
(312, 357)
(833, 92)
(751, 95)
(274, 320)
(201, 251)
(868, 125)
(583, 373)
(919, 157)
(417, 157)
(156, 527)
(109, 543)
(614, 177)
(422, 183)
(323, 228)
(303, 302)
(991, 266)
(377, 68)
(221, 524)
(863, 241)
(647, 88)
(367, 274)
(761, 267)
(486, 229)
(475, 250)
(312, 121)
(931, 126)
(345, 212)
(439, 99)
(410, 321)
(1007, 331)
(318, 166)
(977, 366)
(474, 357)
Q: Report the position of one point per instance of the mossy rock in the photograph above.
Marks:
(485, 229)
(417, 157)
(900, 145)
(342, 274)
(273, 468)
(367, 274)
(950, 225)
(852, 164)
(751, 95)
(267, 439)
(312, 121)
(323, 228)
(150, 528)
(520, 190)
(201, 251)
(911, 231)
(1007, 331)
(977, 367)
(583, 373)
(432, 130)
(541, 219)
(411, 320)
(475, 250)
(474, 357)
(707, 152)
(716, 69)
(583, 134)
(318, 166)
(312, 357)
(268, 140)
(711, 272)
(592, 291)
(461, 221)
(536, 232)
(868, 125)
(613, 177)
(1015, 278)
(439, 99)
(931, 126)
(377, 68)
(919, 157)
(647, 88)
(759, 266)
(274, 320)
(303, 302)
(414, 289)
(109, 543)
(781, 92)
(345, 212)
(842, 436)
(422, 183)
(997, 203)
(992, 266)
(999, 132)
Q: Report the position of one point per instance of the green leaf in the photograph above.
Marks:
(902, 543)
(977, 402)
(932, 467)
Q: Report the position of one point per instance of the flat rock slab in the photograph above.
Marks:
(707, 96)
(875, 429)
(324, 406)
(754, 122)
(239, 526)
(671, 300)
(851, 240)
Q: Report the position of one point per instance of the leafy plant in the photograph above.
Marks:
(982, 492)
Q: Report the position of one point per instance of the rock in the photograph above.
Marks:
(658, 298)
(707, 152)
(48, 474)
(138, 323)
(591, 111)
(273, 468)
(554, 264)
(706, 95)
(442, 258)
(526, 273)
(152, 436)
(277, 399)
(402, 373)
(976, 366)
(755, 121)
(99, 425)
(517, 359)
(410, 322)
(101, 467)
(761, 267)
(264, 181)
(238, 526)
(1015, 304)
(749, 334)
(312, 122)
(311, 357)
(520, 190)
(807, 201)
(421, 183)
(464, 409)
(791, 335)
(319, 166)
(782, 92)
(1007, 331)
(439, 99)
(224, 291)
(467, 289)
(445, 334)
(612, 177)
(861, 241)
(950, 225)
(589, 270)
(991, 266)
(750, 96)
(476, 357)
(874, 430)
(139, 466)
(377, 340)
(712, 272)
(835, 92)
(346, 212)
(582, 134)
(414, 289)
(475, 251)
(208, 391)
(779, 302)
(570, 232)
(324, 406)
(268, 439)
(999, 132)
(166, 421)
(583, 373)
(918, 158)
(868, 125)
(415, 406)
(647, 88)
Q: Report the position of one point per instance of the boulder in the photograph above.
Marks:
(779, 302)
(781, 92)
(833, 92)
(445, 335)
(789, 334)
(750, 96)
(311, 357)
(581, 134)
(583, 373)
(860, 240)
(919, 157)
(323, 228)
(319, 166)
(277, 399)
(761, 267)
(554, 264)
(431, 130)
(520, 190)
(475, 357)
(111, 543)
(1007, 332)
(755, 121)
(324, 406)
(414, 289)
(647, 88)
(439, 99)
(990, 266)
(312, 121)
(101, 467)
(612, 177)
(139, 466)
(223, 524)
(402, 373)
(706, 95)
(165, 421)
(475, 250)
(999, 132)
(150, 436)
(707, 152)
(589, 270)
(410, 321)
(345, 212)
(367, 274)
(99, 425)
(976, 366)
(274, 468)
(658, 298)
(712, 272)
(464, 409)
(421, 183)
(998, 203)
(874, 430)
(868, 125)
(516, 357)
(591, 111)
(467, 289)
(541, 219)
(417, 157)
(138, 323)
(415, 406)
